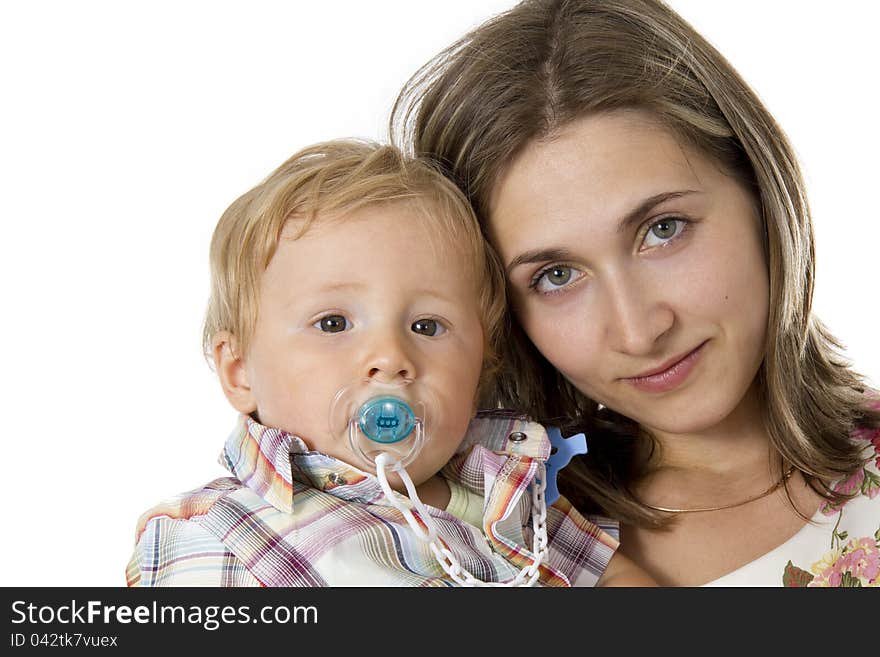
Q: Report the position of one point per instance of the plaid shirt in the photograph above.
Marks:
(294, 517)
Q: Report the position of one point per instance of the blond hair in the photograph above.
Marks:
(527, 73)
(336, 178)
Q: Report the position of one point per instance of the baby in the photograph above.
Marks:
(354, 314)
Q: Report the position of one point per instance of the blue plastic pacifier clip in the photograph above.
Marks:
(564, 449)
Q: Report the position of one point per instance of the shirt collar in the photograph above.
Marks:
(507, 432)
(275, 464)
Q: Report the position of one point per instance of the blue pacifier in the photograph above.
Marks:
(379, 418)
(386, 420)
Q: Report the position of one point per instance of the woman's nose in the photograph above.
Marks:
(388, 360)
(638, 316)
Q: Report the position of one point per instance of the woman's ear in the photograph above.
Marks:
(230, 368)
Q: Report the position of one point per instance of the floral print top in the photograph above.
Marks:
(840, 547)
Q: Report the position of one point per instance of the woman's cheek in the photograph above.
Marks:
(570, 345)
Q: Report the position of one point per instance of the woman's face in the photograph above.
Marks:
(636, 267)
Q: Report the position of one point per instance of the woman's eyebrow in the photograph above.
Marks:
(635, 215)
(538, 255)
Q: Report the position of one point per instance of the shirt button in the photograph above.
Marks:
(517, 437)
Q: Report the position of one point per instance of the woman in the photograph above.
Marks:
(657, 239)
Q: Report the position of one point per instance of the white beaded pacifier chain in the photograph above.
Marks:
(444, 556)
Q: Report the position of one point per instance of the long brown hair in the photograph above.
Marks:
(526, 73)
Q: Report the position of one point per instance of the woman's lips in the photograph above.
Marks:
(669, 376)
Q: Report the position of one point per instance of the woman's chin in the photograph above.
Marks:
(691, 415)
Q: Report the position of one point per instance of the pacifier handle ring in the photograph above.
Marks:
(418, 441)
(528, 576)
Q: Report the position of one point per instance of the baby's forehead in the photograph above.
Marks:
(424, 219)
(418, 241)
(398, 250)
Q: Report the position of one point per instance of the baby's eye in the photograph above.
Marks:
(429, 327)
(332, 324)
(555, 278)
(661, 232)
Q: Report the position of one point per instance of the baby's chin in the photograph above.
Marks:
(420, 479)
(396, 482)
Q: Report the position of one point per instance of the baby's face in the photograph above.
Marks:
(376, 297)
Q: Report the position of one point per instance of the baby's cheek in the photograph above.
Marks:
(302, 407)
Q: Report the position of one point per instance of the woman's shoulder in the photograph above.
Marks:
(841, 549)
(840, 546)
(849, 555)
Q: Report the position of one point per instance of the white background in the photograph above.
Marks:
(127, 128)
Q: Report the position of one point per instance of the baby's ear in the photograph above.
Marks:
(230, 368)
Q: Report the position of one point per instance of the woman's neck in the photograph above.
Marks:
(741, 437)
(732, 456)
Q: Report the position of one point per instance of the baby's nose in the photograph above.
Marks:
(389, 362)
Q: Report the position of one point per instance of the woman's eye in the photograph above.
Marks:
(332, 324)
(429, 327)
(661, 232)
(555, 278)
